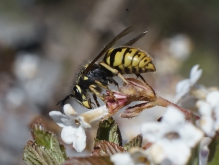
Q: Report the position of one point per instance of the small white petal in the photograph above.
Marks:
(213, 98)
(122, 159)
(183, 86)
(95, 114)
(190, 135)
(69, 110)
(182, 89)
(176, 151)
(79, 141)
(58, 117)
(195, 74)
(151, 131)
(156, 153)
(207, 125)
(68, 134)
(173, 116)
(204, 108)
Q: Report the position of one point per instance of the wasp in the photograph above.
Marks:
(117, 61)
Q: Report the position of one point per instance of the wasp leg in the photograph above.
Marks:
(100, 84)
(114, 82)
(106, 87)
(132, 41)
(142, 78)
(92, 88)
(114, 71)
(95, 99)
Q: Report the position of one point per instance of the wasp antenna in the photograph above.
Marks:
(62, 102)
(145, 32)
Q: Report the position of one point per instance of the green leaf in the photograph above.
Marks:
(94, 160)
(213, 158)
(45, 150)
(105, 148)
(135, 142)
(108, 130)
(194, 158)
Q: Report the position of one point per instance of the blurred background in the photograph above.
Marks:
(44, 43)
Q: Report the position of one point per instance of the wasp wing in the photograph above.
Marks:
(120, 35)
(132, 41)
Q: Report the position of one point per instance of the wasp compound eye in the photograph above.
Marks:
(78, 93)
(81, 97)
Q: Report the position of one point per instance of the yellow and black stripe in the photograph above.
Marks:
(128, 60)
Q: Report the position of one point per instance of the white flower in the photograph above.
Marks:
(135, 156)
(183, 87)
(209, 110)
(122, 159)
(172, 138)
(73, 125)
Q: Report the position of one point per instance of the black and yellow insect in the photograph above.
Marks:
(117, 61)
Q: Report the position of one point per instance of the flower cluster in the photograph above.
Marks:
(209, 110)
(172, 139)
(169, 141)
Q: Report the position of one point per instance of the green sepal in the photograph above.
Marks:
(135, 142)
(108, 130)
(194, 158)
(45, 149)
(213, 158)
(106, 148)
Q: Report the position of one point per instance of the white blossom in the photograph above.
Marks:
(172, 138)
(135, 156)
(209, 110)
(122, 159)
(183, 87)
(74, 125)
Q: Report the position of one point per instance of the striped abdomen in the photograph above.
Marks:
(129, 60)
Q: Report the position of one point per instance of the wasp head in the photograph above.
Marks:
(81, 97)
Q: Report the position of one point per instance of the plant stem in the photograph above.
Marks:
(165, 103)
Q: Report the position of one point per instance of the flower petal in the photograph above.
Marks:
(68, 134)
(122, 159)
(213, 98)
(69, 110)
(176, 151)
(195, 74)
(151, 131)
(206, 123)
(79, 140)
(173, 116)
(183, 86)
(204, 108)
(58, 117)
(190, 135)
